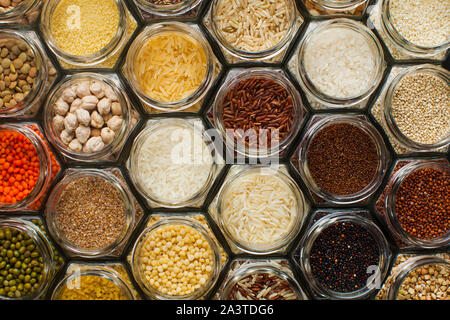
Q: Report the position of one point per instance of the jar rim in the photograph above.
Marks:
(168, 10)
(140, 139)
(53, 201)
(272, 74)
(329, 220)
(340, 4)
(366, 127)
(21, 9)
(183, 221)
(69, 81)
(45, 165)
(410, 265)
(42, 72)
(394, 185)
(371, 40)
(164, 27)
(388, 116)
(400, 42)
(96, 271)
(96, 58)
(263, 54)
(256, 268)
(295, 223)
(42, 242)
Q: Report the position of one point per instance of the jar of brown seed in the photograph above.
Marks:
(167, 8)
(335, 7)
(19, 11)
(25, 73)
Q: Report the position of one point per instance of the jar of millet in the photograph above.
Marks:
(29, 252)
(175, 258)
(416, 204)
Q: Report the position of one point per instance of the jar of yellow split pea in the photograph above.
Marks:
(84, 32)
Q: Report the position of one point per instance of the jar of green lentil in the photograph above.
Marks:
(422, 277)
(415, 108)
(93, 283)
(416, 204)
(23, 12)
(76, 32)
(26, 73)
(27, 260)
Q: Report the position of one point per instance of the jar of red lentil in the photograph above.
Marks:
(422, 277)
(175, 246)
(76, 33)
(416, 204)
(250, 31)
(342, 159)
(88, 117)
(258, 112)
(260, 209)
(70, 200)
(339, 64)
(35, 260)
(28, 173)
(344, 255)
(26, 73)
(19, 11)
(275, 282)
(167, 8)
(439, 132)
(92, 282)
(170, 67)
(397, 25)
(336, 7)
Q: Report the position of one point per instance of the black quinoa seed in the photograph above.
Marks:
(341, 255)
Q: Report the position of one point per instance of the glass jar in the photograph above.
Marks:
(129, 68)
(402, 272)
(387, 114)
(111, 150)
(90, 60)
(266, 55)
(45, 74)
(73, 281)
(25, 13)
(167, 10)
(42, 242)
(389, 211)
(321, 122)
(399, 42)
(336, 7)
(246, 74)
(377, 275)
(314, 94)
(136, 259)
(295, 223)
(140, 142)
(255, 268)
(45, 169)
(58, 234)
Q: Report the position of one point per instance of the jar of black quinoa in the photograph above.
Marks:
(27, 260)
(344, 256)
(416, 204)
(261, 281)
(342, 158)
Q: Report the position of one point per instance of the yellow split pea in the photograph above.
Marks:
(84, 27)
(176, 260)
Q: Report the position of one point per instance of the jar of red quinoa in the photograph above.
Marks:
(32, 251)
(26, 174)
(336, 7)
(26, 74)
(175, 258)
(19, 11)
(342, 158)
(170, 66)
(343, 256)
(416, 204)
(416, 28)
(71, 201)
(258, 112)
